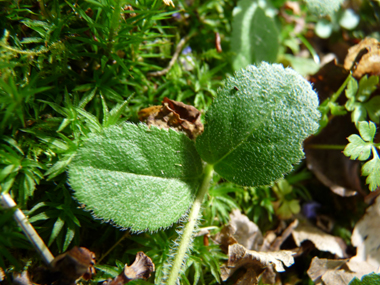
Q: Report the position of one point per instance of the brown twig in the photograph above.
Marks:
(172, 61)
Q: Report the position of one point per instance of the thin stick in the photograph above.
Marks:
(172, 61)
(7, 202)
(115, 245)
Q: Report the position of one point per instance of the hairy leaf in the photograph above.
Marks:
(254, 37)
(323, 7)
(138, 177)
(255, 127)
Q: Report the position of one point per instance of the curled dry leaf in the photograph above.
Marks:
(321, 240)
(364, 58)
(141, 268)
(272, 242)
(177, 115)
(73, 264)
(239, 230)
(246, 232)
(255, 262)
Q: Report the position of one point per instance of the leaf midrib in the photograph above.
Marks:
(242, 141)
(137, 174)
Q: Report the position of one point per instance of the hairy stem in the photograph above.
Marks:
(189, 228)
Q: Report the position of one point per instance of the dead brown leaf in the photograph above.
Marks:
(256, 262)
(246, 232)
(75, 263)
(240, 230)
(321, 240)
(141, 268)
(177, 115)
(365, 237)
(329, 271)
(274, 239)
(364, 58)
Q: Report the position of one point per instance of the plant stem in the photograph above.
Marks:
(336, 95)
(326, 146)
(189, 228)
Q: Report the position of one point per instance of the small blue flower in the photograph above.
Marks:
(186, 50)
(309, 209)
(177, 16)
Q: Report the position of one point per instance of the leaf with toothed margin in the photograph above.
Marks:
(256, 125)
(136, 177)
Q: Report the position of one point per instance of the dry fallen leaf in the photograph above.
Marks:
(239, 230)
(364, 58)
(365, 237)
(176, 115)
(141, 268)
(321, 240)
(255, 262)
(329, 271)
(246, 233)
(73, 264)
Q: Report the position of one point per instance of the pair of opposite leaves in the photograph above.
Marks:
(146, 178)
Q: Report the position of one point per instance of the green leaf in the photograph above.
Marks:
(357, 148)
(255, 127)
(263, 38)
(369, 279)
(137, 177)
(324, 28)
(351, 90)
(58, 225)
(367, 130)
(323, 7)
(361, 147)
(254, 36)
(349, 20)
(373, 109)
(366, 87)
(372, 169)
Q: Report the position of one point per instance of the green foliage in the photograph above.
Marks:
(73, 71)
(369, 279)
(18, 172)
(360, 103)
(135, 176)
(220, 204)
(287, 206)
(248, 133)
(323, 7)
(61, 221)
(254, 35)
(343, 19)
(11, 238)
(203, 261)
(361, 147)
